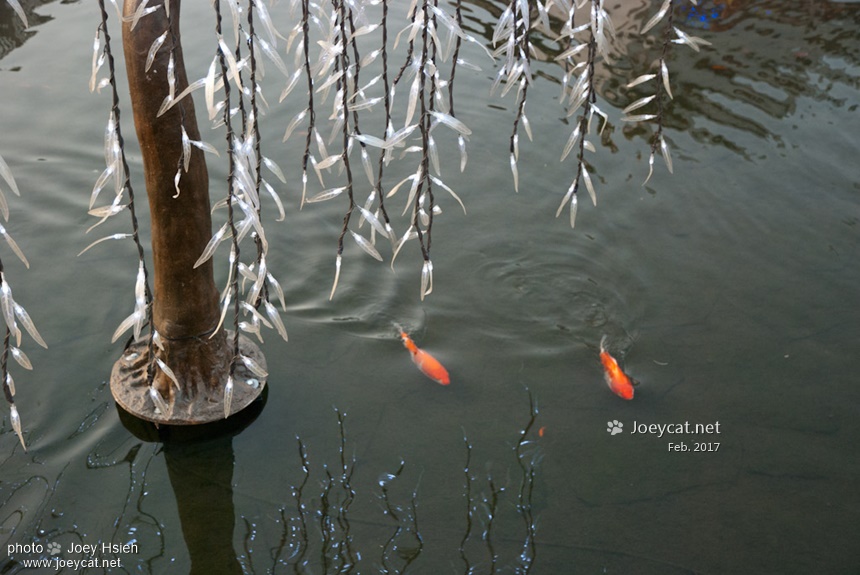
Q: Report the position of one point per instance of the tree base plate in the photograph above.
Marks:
(198, 402)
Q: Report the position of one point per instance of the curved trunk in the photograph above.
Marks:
(185, 300)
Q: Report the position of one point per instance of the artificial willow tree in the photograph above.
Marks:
(180, 365)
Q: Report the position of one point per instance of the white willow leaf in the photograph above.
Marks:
(515, 173)
(657, 17)
(209, 89)
(205, 147)
(253, 366)
(126, 325)
(365, 244)
(452, 122)
(293, 123)
(639, 118)
(650, 169)
(667, 157)
(210, 248)
(640, 80)
(14, 246)
(664, 72)
(231, 62)
(638, 104)
(566, 197)
(329, 162)
(275, 169)
(228, 396)
(13, 411)
(572, 51)
(153, 50)
(326, 195)
(20, 357)
(16, 6)
(169, 373)
(104, 239)
(281, 213)
(442, 185)
(570, 142)
(273, 314)
(336, 276)
(426, 279)
(373, 220)
(589, 186)
(7, 303)
(158, 401)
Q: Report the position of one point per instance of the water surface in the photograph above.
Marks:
(729, 289)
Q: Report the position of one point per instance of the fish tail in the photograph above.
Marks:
(603, 343)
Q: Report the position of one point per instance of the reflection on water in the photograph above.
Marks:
(730, 287)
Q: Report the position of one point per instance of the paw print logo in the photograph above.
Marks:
(53, 548)
(614, 426)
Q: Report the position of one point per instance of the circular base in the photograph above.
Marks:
(197, 402)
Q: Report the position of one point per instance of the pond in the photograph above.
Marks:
(728, 289)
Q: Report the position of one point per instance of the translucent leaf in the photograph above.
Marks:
(664, 72)
(126, 325)
(281, 213)
(13, 411)
(639, 118)
(442, 185)
(451, 122)
(640, 79)
(426, 279)
(275, 169)
(231, 62)
(169, 373)
(111, 237)
(570, 142)
(278, 290)
(228, 396)
(212, 246)
(374, 221)
(364, 244)
(14, 246)
(515, 173)
(336, 276)
(461, 142)
(253, 366)
(589, 186)
(16, 6)
(657, 17)
(650, 168)
(326, 195)
(10, 383)
(158, 401)
(573, 51)
(153, 50)
(667, 157)
(20, 357)
(638, 104)
(273, 314)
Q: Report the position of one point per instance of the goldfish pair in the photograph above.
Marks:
(428, 364)
(618, 381)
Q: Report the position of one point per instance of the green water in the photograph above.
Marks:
(729, 288)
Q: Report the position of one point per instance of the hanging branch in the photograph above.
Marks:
(583, 94)
(233, 288)
(118, 167)
(663, 88)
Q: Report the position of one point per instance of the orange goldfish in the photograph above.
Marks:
(618, 381)
(428, 364)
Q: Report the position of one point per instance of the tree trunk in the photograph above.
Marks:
(185, 308)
